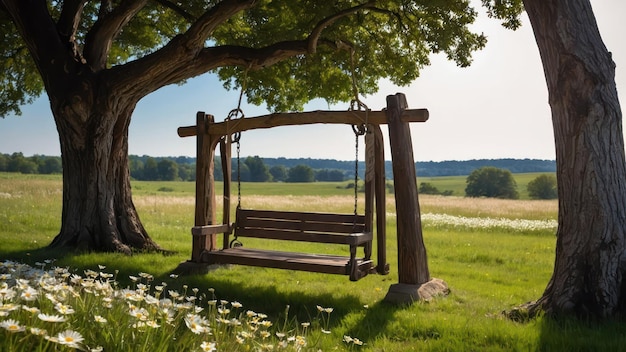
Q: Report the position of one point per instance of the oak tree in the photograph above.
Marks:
(589, 277)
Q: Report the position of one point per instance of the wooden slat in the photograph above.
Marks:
(298, 215)
(300, 225)
(350, 239)
(285, 260)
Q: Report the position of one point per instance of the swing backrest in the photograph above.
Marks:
(301, 226)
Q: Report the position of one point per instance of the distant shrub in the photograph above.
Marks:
(492, 182)
(166, 189)
(542, 187)
(428, 188)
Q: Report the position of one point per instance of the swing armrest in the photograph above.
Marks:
(359, 238)
(211, 229)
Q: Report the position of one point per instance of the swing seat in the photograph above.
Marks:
(342, 229)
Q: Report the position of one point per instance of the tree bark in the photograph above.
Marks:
(98, 211)
(588, 278)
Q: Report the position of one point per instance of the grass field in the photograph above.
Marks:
(485, 249)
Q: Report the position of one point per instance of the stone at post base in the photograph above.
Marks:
(407, 293)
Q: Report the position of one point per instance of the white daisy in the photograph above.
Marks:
(11, 325)
(51, 318)
(70, 338)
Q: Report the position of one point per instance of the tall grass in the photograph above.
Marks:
(488, 270)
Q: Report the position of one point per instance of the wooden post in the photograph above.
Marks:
(413, 274)
(225, 153)
(376, 160)
(205, 213)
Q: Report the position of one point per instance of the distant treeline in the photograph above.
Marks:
(256, 169)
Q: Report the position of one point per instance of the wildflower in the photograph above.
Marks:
(264, 334)
(196, 323)
(208, 346)
(33, 310)
(63, 309)
(131, 295)
(300, 341)
(326, 331)
(236, 304)
(11, 325)
(99, 319)
(153, 324)
(6, 294)
(139, 313)
(29, 294)
(70, 338)
(97, 349)
(146, 276)
(38, 332)
(357, 342)
(173, 276)
(105, 275)
(51, 318)
(305, 324)
(101, 267)
(347, 339)
(9, 307)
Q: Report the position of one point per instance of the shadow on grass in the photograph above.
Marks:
(571, 334)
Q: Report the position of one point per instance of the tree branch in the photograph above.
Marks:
(179, 10)
(100, 37)
(33, 22)
(68, 24)
(197, 34)
(323, 24)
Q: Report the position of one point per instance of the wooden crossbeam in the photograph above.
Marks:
(355, 117)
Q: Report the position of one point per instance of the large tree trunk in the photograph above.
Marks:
(98, 212)
(588, 278)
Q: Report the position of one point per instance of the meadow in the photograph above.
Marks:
(494, 255)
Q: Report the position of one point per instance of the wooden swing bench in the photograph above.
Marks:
(343, 229)
(350, 230)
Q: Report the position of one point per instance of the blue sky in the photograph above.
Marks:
(497, 108)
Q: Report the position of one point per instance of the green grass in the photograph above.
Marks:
(487, 270)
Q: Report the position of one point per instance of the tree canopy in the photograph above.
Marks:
(307, 49)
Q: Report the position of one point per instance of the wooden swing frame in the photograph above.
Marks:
(209, 134)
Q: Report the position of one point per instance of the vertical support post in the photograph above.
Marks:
(377, 161)
(370, 178)
(205, 213)
(413, 271)
(226, 155)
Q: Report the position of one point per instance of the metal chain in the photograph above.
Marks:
(356, 172)
(238, 176)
